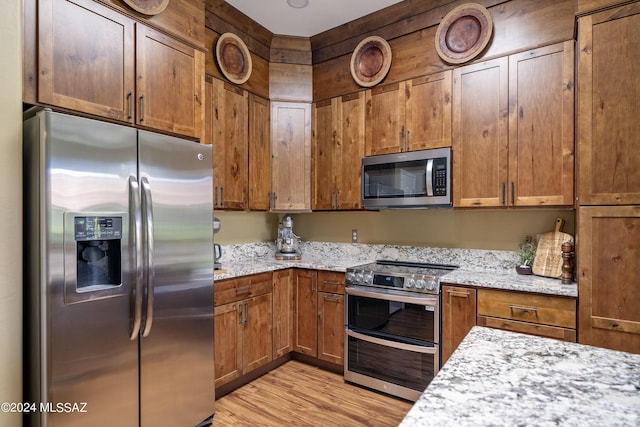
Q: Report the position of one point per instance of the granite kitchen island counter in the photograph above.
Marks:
(501, 378)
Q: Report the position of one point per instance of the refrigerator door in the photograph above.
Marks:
(176, 344)
(78, 272)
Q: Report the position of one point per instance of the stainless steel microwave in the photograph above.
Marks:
(413, 179)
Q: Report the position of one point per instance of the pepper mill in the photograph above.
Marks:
(568, 263)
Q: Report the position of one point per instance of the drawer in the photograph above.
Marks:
(231, 290)
(565, 334)
(524, 307)
(331, 281)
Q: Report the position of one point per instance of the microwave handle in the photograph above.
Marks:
(429, 177)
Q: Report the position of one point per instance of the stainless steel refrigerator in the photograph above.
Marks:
(119, 275)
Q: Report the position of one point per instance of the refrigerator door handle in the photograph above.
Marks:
(147, 212)
(136, 215)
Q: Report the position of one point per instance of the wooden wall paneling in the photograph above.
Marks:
(587, 6)
(30, 52)
(395, 21)
(221, 17)
(290, 82)
(290, 70)
(258, 83)
(183, 19)
(518, 25)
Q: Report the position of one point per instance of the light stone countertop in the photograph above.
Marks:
(501, 378)
(481, 268)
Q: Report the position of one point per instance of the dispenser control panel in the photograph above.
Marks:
(97, 228)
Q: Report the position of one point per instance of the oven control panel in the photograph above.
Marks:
(414, 282)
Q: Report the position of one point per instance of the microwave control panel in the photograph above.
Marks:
(440, 176)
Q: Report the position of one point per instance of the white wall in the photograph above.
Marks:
(11, 208)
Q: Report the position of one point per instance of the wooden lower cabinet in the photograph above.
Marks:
(242, 326)
(305, 309)
(458, 317)
(319, 315)
(543, 315)
(331, 317)
(283, 298)
(608, 254)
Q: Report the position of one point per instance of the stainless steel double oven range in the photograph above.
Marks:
(392, 322)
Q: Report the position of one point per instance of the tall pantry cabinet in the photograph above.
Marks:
(608, 232)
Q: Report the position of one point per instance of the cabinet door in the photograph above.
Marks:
(169, 83)
(608, 94)
(607, 274)
(257, 338)
(385, 119)
(291, 155)
(458, 317)
(86, 58)
(541, 130)
(351, 150)
(230, 145)
(259, 154)
(326, 153)
(228, 348)
(306, 329)
(480, 113)
(428, 112)
(283, 299)
(331, 327)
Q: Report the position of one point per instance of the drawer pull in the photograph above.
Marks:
(329, 282)
(330, 298)
(449, 291)
(517, 307)
(243, 289)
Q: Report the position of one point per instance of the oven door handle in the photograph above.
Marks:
(431, 301)
(393, 344)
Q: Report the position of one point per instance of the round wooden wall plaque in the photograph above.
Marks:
(234, 58)
(148, 7)
(463, 33)
(370, 61)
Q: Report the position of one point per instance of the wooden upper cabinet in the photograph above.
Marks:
(409, 115)
(428, 112)
(324, 156)
(352, 127)
(259, 154)
(291, 156)
(229, 136)
(513, 138)
(94, 60)
(541, 126)
(170, 83)
(86, 58)
(338, 146)
(608, 255)
(480, 132)
(608, 94)
(385, 119)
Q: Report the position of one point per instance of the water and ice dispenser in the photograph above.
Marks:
(93, 256)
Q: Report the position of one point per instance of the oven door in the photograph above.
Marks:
(391, 340)
(393, 315)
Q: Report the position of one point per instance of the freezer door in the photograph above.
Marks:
(176, 343)
(77, 293)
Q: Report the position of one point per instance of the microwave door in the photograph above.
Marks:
(429, 178)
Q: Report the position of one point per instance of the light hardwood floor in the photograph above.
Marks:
(297, 394)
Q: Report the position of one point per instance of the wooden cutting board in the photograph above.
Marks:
(548, 261)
